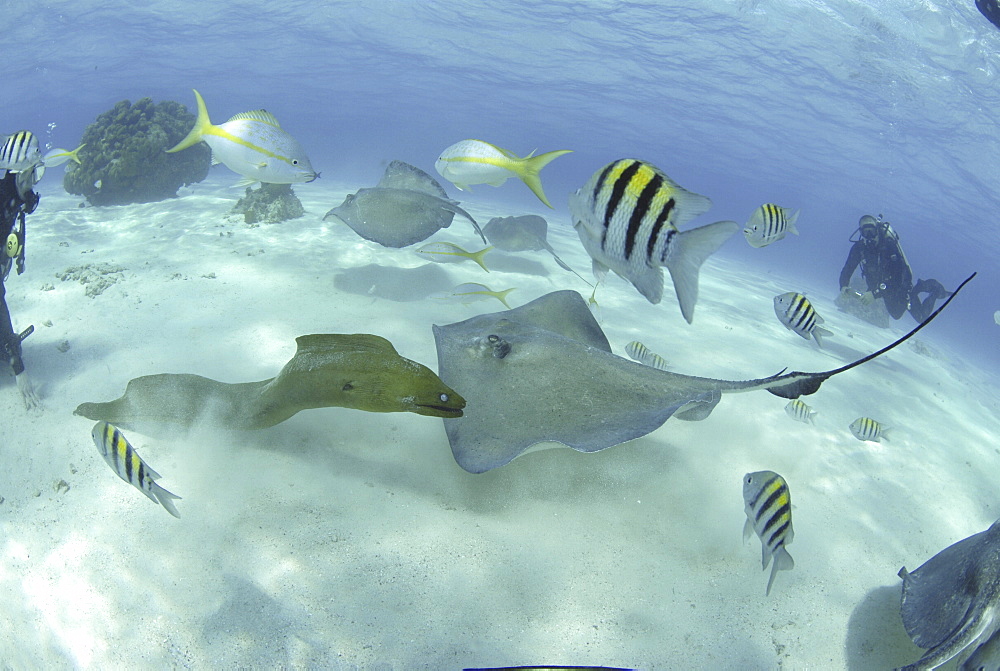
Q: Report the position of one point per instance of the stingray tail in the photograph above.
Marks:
(532, 165)
(685, 256)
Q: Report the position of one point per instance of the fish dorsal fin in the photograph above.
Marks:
(256, 115)
(400, 175)
(343, 343)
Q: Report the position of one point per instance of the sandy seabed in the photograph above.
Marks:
(345, 539)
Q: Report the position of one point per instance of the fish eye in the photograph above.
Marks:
(443, 398)
(347, 387)
(295, 162)
(749, 479)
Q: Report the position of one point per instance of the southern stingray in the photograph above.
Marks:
(406, 206)
(544, 372)
(951, 604)
(520, 234)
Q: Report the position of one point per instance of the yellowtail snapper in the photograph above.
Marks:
(477, 162)
(58, 156)
(797, 314)
(124, 461)
(627, 217)
(252, 144)
(474, 291)
(447, 252)
(769, 223)
(768, 505)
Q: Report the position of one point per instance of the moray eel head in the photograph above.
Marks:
(359, 371)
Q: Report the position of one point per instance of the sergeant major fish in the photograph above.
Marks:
(800, 412)
(476, 162)
(769, 223)
(19, 152)
(252, 144)
(866, 428)
(627, 217)
(797, 314)
(124, 461)
(768, 506)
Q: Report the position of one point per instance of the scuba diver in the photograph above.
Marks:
(17, 199)
(991, 10)
(887, 272)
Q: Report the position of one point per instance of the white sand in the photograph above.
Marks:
(344, 539)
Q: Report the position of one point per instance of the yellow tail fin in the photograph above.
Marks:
(74, 155)
(201, 125)
(530, 168)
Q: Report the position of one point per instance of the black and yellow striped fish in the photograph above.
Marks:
(768, 506)
(769, 223)
(797, 314)
(19, 151)
(124, 461)
(627, 216)
(866, 428)
(800, 412)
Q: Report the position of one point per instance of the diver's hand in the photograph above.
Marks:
(845, 292)
(867, 298)
(28, 392)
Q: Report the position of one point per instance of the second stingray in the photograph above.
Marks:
(544, 372)
(406, 206)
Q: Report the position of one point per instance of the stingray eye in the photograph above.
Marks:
(494, 339)
(347, 387)
(443, 398)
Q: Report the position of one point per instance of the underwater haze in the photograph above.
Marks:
(349, 539)
(838, 108)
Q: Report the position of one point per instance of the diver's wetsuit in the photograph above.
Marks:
(12, 208)
(889, 277)
(885, 270)
(991, 10)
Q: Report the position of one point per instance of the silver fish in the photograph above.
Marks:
(19, 152)
(639, 352)
(866, 428)
(124, 461)
(627, 216)
(800, 412)
(768, 505)
(769, 223)
(797, 314)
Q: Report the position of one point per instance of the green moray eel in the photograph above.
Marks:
(359, 371)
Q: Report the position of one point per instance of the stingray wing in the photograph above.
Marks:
(939, 596)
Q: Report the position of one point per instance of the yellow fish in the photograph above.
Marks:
(446, 252)
(124, 461)
(59, 156)
(476, 162)
(252, 144)
(474, 291)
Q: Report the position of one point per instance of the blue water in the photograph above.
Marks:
(838, 108)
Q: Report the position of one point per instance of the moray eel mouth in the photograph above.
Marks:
(448, 406)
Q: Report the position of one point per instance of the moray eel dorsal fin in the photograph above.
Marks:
(360, 371)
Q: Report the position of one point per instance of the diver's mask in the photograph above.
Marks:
(868, 229)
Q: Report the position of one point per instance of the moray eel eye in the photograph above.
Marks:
(443, 398)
